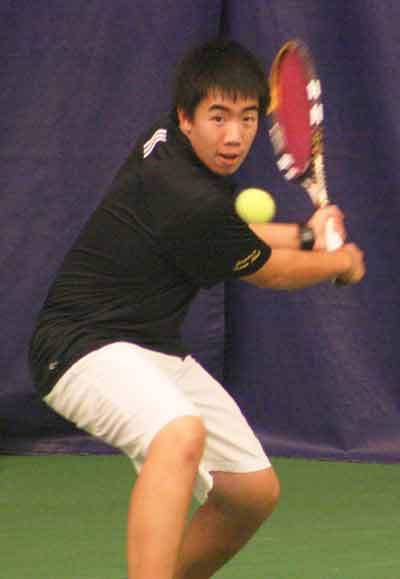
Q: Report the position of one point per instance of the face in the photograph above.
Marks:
(222, 131)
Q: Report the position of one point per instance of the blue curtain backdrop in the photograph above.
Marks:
(316, 371)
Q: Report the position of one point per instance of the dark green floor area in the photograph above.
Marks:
(63, 517)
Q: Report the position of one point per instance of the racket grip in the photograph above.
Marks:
(332, 238)
(333, 241)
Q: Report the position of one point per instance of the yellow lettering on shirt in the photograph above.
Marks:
(248, 260)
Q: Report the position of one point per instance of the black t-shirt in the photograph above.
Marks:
(166, 228)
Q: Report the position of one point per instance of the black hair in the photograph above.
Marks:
(223, 66)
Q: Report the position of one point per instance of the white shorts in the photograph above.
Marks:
(125, 394)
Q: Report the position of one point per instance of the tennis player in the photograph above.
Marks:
(107, 352)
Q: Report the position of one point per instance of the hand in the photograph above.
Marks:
(318, 223)
(356, 270)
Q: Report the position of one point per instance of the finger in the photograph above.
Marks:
(334, 210)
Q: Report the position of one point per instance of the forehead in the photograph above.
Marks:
(234, 102)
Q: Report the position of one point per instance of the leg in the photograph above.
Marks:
(161, 498)
(237, 506)
(127, 396)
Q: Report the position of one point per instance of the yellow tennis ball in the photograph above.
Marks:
(255, 205)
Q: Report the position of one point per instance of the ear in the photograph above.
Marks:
(185, 123)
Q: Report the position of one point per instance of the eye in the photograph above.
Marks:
(218, 119)
(250, 119)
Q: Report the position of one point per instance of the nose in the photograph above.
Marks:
(233, 133)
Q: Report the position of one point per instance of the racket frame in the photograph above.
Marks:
(312, 176)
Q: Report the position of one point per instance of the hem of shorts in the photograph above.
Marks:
(243, 467)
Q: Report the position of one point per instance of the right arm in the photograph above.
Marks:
(290, 269)
(286, 235)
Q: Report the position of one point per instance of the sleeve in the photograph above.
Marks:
(213, 245)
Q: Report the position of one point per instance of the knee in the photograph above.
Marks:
(190, 438)
(272, 492)
(251, 497)
(264, 496)
(184, 439)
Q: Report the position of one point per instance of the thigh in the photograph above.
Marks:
(231, 444)
(122, 395)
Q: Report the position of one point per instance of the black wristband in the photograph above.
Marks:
(307, 237)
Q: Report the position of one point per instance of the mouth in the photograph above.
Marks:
(229, 159)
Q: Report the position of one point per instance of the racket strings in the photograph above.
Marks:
(297, 115)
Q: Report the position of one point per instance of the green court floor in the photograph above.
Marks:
(63, 517)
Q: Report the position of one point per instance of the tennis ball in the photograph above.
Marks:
(255, 205)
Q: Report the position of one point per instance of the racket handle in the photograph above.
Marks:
(332, 238)
(333, 241)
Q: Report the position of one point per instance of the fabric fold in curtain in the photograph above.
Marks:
(315, 371)
(80, 81)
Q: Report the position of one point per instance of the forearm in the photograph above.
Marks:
(278, 235)
(289, 269)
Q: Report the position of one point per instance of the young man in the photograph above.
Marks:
(107, 352)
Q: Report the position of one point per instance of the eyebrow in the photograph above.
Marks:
(217, 107)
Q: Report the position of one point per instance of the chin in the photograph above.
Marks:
(227, 170)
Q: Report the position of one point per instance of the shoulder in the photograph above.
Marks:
(165, 178)
(171, 169)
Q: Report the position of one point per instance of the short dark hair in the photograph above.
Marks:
(220, 65)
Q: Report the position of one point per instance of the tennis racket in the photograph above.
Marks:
(296, 126)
